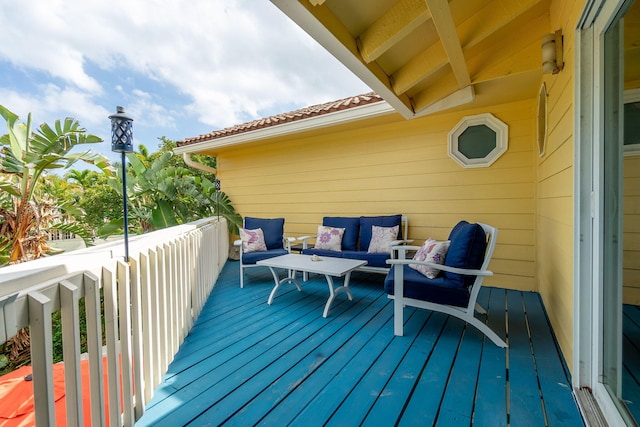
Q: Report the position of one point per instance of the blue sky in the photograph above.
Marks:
(180, 68)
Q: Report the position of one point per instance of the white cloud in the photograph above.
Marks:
(224, 61)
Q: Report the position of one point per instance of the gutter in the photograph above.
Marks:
(197, 165)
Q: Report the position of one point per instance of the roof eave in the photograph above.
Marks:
(316, 29)
(326, 120)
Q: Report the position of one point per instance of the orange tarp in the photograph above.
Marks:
(16, 396)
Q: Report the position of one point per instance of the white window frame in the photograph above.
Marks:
(632, 95)
(488, 120)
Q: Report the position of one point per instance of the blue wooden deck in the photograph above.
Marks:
(247, 363)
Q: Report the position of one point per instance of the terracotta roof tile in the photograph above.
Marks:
(292, 116)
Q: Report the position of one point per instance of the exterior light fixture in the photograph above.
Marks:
(122, 142)
(552, 60)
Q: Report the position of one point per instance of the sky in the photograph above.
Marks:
(179, 68)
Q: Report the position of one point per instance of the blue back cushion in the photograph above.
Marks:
(350, 225)
(367, 222)
(272, 228)
(467, 250)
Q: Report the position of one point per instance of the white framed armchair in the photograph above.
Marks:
(455, 289)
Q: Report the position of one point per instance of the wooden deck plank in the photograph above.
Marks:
(357, 404)
(248, 363)
(457, 406)
(292, 369)
(525, 405)
(435, 376)
(389, 406)
(555, 384)
(631, 359)
(491, 396)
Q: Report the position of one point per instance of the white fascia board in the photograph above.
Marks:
(325, 120)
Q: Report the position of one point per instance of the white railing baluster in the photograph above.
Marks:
(69, 297)
(94, 348)
(124, 327)
(111, 333)
(156, 318)
(137, 339)
(150, 305)
(146, 336)
(40, 308)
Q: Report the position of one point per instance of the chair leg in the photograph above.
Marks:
(241, 276)
(398, 317)
(482, 327)
(480, 310)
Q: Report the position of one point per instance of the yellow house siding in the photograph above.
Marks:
(396, 167)
(631, 239)
(555, 184)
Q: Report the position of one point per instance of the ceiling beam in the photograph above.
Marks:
(399, 21)
(421, 67)
(446, 28)
(490, 20)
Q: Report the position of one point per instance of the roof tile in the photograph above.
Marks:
(301, 114)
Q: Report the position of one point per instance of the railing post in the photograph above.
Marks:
(124, 323)
(40, 308)
(111, 332)
(69, 296)
(94, 348)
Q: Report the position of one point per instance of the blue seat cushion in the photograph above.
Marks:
(272, 228)
(418, 286)
(254, 257)
(373, 260)
(351, 227)
(322, 252)
(467, 250)
(367, 223)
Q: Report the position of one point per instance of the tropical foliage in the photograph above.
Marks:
(26, 213)
(162, 191)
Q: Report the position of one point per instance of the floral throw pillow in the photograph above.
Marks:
(381, 238)
(329, 238)
(252, 240)
(434, 252)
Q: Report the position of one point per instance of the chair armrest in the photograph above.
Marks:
(402, 251)
(464, 271)
(237, 242)
(288, 241)
(399, 243)
(304, 241)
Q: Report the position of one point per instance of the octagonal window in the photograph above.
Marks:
(478, 141)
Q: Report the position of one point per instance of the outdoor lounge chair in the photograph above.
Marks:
(455, 289)
(276, 244)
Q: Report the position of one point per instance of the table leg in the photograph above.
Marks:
(334, 291)
(291, 277)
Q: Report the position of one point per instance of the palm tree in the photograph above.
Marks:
(25, 158)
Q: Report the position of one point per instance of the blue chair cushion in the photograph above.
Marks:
(418, 286)
(351, 226)
(373, 260)
(254, 257)
(367, 222)
(322, 252)
(272, 228)
(467, 250)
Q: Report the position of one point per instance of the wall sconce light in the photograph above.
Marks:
(122, 142)
(552, 61)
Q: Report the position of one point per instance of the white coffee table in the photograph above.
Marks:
(328, 266)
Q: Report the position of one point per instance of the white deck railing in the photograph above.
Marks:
(148, 308)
